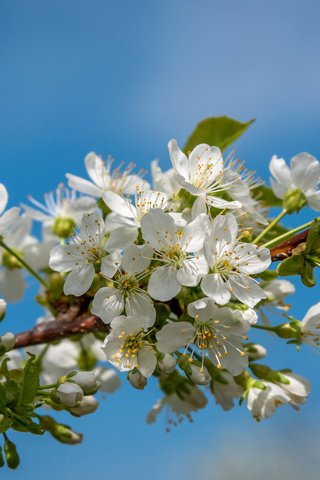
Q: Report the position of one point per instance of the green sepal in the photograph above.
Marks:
(29, 384)
(291, 266)
(218, 131)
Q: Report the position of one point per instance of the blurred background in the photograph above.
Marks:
(124, 77)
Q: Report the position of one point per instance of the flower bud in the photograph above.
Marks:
(7, 341)
(137, 380)
(69, 394)
(11, 453)
(108, 380)
(199, 375)
(255, 351)
(61, 432)
(87, 405)
(167, 364)
(86, 380)
(3, 308)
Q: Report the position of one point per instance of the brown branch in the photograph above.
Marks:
(75, 319)
(56, 330)
(284, 250)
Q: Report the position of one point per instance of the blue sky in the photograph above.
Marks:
(123, 77)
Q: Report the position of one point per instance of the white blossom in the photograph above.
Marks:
(126, 347)
(86, 251)
(61, 204)
(127, 294)
(103, 179)
(179, 251)
(298, 388)
(217, 333)
(202, 175)
(86, 406)
(231, 263)
(263, 403)
(303, 174)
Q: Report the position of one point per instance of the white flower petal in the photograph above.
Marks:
(251, 259)
(83, 186)
(141, 306)
(8, 218)
(107, 304)
(12, 285)
(79, 280)
(194, 233)
(95, 168)
(174, 336)
(246, 289)
(214, 287)
(312, 318)
(218, 202)
(163, 284)
(109, 266)
(147, 361)
(136, 259)
(3, 197)
(178, 159)
(158, 229)
(120, 205)
(64, 258)
(313, 199)
(121, 238)
(305, 171)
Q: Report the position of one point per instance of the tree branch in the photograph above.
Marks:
(284, 250)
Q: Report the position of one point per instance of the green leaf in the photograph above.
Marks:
(218, 131)
(292, 266)
(313, 240)
(30, 383)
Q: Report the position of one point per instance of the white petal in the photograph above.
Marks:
(158, 229)
(120, 205)
(121, 238)
(8, 218)
(12, 285)
(79, 280)
(199, 206)
(147, 361)
(188, 274)
(92, 228)
(136, 259)
(251, 259)
(140, 305)
(83, 186)
(174, 336)
(109, 266)
(3, 197)
(282, 175)
(312, 318)
(246, 289)
(95, 168)
(178, 159)
(313, 199)
(64, 258)
(214, 287)
(194, 233)
(163, 284)
(218, 202)
(107, 304)
(305, 171)
(128, 325)
(223, 235)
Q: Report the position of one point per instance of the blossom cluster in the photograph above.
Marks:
(176, 273)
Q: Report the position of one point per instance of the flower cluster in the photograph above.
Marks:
(167, 279)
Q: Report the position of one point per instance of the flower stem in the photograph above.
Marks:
(263, 327)
(270, 226)
(23, 263)
(285, 236)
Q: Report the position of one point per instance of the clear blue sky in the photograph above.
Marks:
(123, 77)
